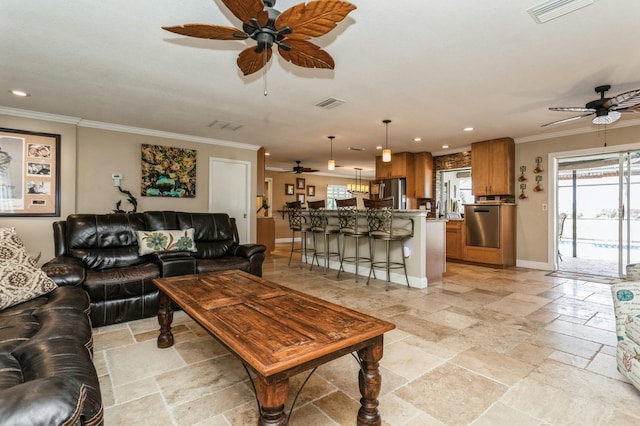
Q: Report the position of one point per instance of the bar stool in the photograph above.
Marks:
(298, 223)
(320, 226)
(350, 228)
(380, 220)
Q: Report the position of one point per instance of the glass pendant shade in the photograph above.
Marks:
(386, 152)
(331, 164)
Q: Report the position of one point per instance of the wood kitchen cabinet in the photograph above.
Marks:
(455, 239)
(493, 167)
(401, 166)
(422, 175)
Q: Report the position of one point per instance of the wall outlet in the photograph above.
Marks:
(545, 207)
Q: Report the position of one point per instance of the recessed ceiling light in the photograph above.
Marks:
(267, 153)
(445, 146)
(378, 147)
(20, 93)
(468, 129)
(417, 139)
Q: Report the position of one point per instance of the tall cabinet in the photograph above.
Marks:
(417, 168)
(493, 167)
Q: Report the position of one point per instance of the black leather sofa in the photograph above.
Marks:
(100, 253)
(47, 376)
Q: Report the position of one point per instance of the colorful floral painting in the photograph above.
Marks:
(168, 172)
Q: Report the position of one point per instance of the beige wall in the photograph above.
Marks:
(88, 158)
(534, 234)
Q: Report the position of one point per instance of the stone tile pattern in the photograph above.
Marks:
(484, 347)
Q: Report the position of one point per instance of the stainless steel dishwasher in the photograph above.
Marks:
(483, 225)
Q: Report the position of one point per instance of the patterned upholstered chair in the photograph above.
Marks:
(626, 304)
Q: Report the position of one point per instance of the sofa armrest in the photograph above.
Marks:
(65, 270)
(173, 263)
(46, 401)
(247, 250)
(254, 253)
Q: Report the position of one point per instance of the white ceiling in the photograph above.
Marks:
(432, 67)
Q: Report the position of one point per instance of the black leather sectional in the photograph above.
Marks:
(100, 253)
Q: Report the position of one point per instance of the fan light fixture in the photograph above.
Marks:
(386, 152)
(609, 118)
(331, 164)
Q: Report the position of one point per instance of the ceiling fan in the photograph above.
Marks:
(606, 110)
(290, 30)
(299, 169)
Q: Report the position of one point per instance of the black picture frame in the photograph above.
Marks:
(288, 189)
(311, 190)
(23, 192)
(300, 183)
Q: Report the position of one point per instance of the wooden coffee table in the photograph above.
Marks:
(277, 332)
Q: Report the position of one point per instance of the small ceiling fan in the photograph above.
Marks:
(606, 110)
(290, 30)
(299, 169)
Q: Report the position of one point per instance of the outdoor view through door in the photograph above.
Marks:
(598, 213)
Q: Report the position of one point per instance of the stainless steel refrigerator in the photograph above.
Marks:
(396, 188)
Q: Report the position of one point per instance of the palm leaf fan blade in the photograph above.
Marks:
(306, 54)
(246, 9)
(313, 19)
(624, 100)
(250, 61)
(216, 32)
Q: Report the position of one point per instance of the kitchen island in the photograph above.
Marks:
(425, 251)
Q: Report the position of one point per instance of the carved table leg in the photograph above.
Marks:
(370, 382)
(165, 318)
(272, 394)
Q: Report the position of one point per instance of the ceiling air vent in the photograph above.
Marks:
(552, 9)
(330, 103)
(225, 125)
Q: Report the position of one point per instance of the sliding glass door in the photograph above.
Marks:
(599, 213)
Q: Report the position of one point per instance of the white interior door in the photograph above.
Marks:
(229, 192)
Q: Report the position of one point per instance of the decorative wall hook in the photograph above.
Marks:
(538, 168)
(522, 177)
(538, 186)
(522, 195)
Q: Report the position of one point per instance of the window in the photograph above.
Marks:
(336, 192)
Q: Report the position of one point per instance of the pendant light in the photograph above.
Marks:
(386, 152)
(331, 164)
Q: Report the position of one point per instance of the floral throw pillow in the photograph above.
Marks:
(20, 282)
(12, 248)
(166, 240)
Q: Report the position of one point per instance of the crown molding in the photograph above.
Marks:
(23, 113)
(120, 128)
(580, 131)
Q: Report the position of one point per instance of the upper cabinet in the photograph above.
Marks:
(492, 167)
(401, 164)
(260, 174)
(423, 174)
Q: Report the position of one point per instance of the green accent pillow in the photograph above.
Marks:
(166, 240)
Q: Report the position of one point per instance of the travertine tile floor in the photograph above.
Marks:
(484, 347)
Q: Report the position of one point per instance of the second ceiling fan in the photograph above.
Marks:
(606, 110)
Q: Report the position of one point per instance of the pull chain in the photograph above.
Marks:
(264, 72)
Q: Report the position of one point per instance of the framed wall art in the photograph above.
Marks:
(311, 190)
(168, 172)
(300, 197)
(300, 183)
(288, 189)
(29, 173)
